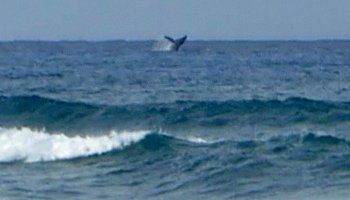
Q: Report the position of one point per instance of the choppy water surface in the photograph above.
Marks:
(216, 120)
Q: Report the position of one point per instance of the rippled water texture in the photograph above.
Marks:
(216, 120)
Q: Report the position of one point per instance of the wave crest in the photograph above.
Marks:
(60, 116)
(33, 145)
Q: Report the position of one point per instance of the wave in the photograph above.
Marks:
(54, 115)
(34, 145)
(28, 145)
(216, 166)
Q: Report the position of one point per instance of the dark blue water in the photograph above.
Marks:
(216, 120)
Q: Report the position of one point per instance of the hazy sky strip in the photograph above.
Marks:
(150, 19)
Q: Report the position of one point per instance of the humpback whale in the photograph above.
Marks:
(176, 44)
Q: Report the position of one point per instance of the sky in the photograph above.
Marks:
(151, 19)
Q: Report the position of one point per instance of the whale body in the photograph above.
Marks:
(176, 44)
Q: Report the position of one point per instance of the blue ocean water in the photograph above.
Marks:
(216, 120)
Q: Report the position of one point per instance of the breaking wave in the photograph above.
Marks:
(37, 145)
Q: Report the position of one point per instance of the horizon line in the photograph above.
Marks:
(194, 40)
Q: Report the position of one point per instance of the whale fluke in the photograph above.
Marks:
(176, 44)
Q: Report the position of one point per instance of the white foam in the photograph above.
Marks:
(162, 46)
(37, 145)
(199, 140)
(193, 139)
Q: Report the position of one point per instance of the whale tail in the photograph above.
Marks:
(176, 44)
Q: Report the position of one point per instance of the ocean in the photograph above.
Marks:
(217, 120)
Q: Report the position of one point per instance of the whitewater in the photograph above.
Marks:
(37, 145)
